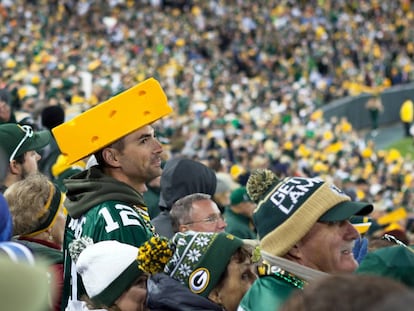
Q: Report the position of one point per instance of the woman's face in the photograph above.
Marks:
(134, 298)
(240, 276)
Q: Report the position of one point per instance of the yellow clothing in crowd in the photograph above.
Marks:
(407, 111)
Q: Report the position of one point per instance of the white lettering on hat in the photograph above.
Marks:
(291, 191)
(199, 280)
(337, 190)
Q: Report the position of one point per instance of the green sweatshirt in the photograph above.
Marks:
(102, 208)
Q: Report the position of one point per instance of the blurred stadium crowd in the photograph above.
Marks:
(246, 78)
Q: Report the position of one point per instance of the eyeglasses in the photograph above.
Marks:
(28, 133)
(210, 219)
(393, 239)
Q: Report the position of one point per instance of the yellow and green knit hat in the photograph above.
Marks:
(200, 259)
(287, 209)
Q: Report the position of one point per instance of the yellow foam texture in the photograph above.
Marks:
(105, 123)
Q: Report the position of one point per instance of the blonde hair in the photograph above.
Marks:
(27, 199)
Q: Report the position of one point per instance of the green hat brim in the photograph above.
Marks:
(36, 142)
(345, 210)
(115, 290)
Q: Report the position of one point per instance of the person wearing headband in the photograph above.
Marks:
(19, 152)
(36, 206)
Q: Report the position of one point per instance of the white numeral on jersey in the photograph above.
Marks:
(129, 217)
(111, 225)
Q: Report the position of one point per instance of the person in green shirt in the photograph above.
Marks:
(105, 202)
(305, 233)
(239, 214)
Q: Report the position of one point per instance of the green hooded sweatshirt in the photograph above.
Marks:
(102, 208)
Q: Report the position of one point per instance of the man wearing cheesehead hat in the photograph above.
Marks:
(19, 152)
(105, 201)
(304, 231)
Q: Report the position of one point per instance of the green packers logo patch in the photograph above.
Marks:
(199, 280)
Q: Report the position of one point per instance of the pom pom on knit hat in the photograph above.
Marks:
(259, 182)
(154, 254)
(200, 259)
(287, 209)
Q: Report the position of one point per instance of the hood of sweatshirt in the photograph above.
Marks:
(181, 177)
(91, 187)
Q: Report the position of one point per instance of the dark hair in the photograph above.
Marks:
(92, 305)
(20, 159)
(118, 145)
(397, 302)
(52, 116)
(343, 292)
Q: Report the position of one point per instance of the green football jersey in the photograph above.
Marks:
(110, 220)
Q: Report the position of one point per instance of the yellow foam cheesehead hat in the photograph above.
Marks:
(109, 121)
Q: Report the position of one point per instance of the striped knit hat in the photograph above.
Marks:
(200, 259)
(287, 209)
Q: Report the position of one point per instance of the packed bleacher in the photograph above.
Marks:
(246, 81)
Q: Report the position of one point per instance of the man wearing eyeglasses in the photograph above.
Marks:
(19, 146)
(196, 212)
(181, 177)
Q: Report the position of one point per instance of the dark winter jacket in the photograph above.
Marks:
(167, 294)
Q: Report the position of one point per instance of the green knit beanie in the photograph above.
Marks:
(200, 258)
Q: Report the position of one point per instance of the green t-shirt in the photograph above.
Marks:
(110, 220)
(239, 225)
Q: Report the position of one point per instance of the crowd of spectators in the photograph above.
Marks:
(246, 78)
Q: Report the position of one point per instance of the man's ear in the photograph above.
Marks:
(110, 157)
(183, 228)
(15, 167)
(294, 253)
